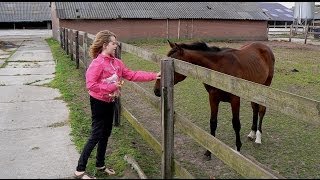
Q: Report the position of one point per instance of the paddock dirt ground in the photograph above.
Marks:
(186, 150)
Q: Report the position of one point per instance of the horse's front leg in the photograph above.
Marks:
(262, 112)
(214, 105)
(235, 105)
(255, 110)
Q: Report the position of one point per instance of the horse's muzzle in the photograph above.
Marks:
(157, 92)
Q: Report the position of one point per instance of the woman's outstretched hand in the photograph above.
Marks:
(159, 75)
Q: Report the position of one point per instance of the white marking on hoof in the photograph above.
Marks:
(258, 139)
(252, 135)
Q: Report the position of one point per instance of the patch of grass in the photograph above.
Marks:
(11, 52)
(6, 59)
(57, 124)
(124, 139)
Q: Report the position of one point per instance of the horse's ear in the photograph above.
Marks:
(171, 44)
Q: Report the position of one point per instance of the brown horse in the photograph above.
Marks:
(253, 62)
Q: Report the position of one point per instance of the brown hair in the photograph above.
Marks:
(96, 46)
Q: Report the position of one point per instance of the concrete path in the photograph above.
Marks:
(34, 129)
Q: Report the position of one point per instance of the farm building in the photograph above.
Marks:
(134, 20)
(317, 15)
(279, 14)
(25, 15)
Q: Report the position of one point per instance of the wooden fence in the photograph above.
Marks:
(295, 30)
(297, 106)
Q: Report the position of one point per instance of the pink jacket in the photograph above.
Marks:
(104, 71)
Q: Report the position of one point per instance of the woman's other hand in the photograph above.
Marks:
(119, 83)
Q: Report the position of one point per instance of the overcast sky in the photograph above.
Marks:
(289, 4)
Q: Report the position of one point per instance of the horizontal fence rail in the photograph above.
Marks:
(229, 156)
(295, 30)
(287, 103)
(147, 55)
(147, 136)
(232, 158)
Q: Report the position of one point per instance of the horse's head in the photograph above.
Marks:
(178, 53)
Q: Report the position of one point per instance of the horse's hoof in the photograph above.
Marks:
(207, 158)
(257, 142)
(258, 138)
(238, 149)
(252, 135)
(207, 155)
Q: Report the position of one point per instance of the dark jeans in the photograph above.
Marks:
(102, 118)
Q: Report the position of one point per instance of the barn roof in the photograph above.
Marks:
(160, 10)
(25, 11)
(276, 11)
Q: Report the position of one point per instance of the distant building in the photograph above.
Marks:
(25, 15)
(133, 20)
(317, 15)
(278, 14)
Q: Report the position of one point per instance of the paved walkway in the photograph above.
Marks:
(34, 129)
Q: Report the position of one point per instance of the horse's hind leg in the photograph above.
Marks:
(255, 110)
(214, 105)
(235, 105)
(262, 112)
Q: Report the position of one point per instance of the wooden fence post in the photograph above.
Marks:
(64, 38)
(77, 48)
(290, 33)
(67, 41)
(306, 34)
(71, 44)
(167, 112)
(61, 37)
(85, 49)
(117, 109)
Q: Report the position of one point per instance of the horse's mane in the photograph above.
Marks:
(201, 46)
